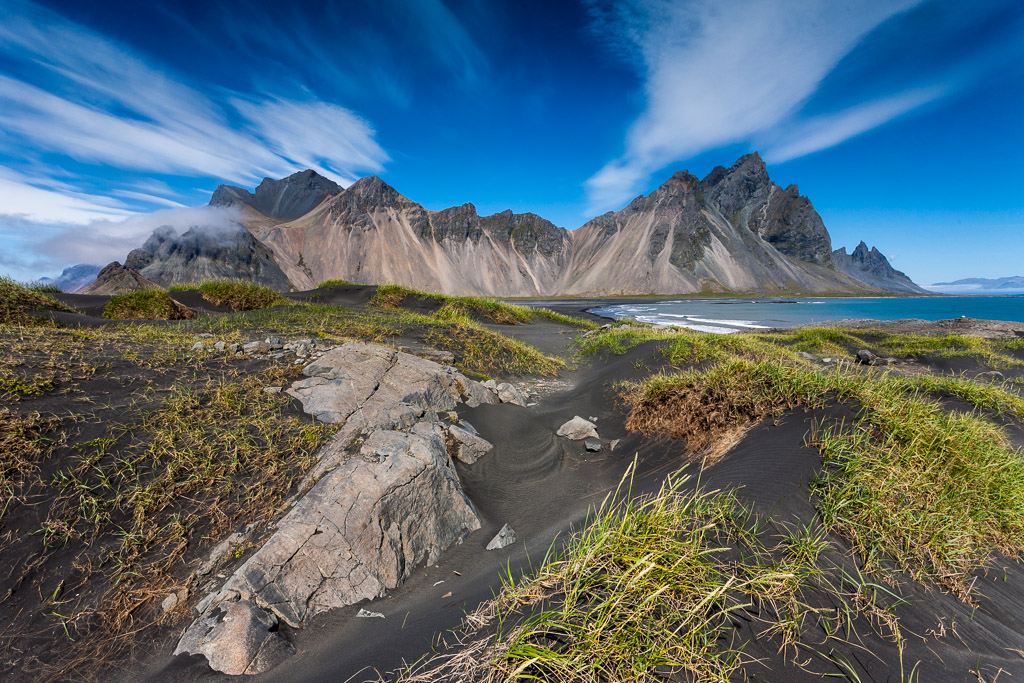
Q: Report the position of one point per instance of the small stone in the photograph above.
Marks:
(367, 614)
(490, 384)
(993, 375)
(467, 446)
(806, 356)
(592, 446)
(509, 393)
(220, 346)
(592, 418)
(612, 444)
(204, 335)
(198, 346)
(169, 603)
(274, 343)
(504, 538)
(256, 347)
(577, 428)
(868, 358)
(272, 390)
(234, 348)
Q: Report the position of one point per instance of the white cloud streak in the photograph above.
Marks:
(25, 202)
(102, 104)
(723, 71)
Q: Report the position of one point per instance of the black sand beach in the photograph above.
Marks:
(547, 487)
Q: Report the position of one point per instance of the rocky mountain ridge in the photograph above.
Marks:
(871, 267)
(733, 230)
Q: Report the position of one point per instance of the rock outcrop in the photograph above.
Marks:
(872, 268)
(118, 279)
(383, 498)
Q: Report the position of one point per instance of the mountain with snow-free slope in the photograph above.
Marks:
(118, 279)
(73, 278)
(987, 284)
(734, 230)
(871, 267)
(206, 253)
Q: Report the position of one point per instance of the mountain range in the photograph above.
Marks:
(733, 230)
(987, 284)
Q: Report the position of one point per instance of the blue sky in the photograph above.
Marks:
(901, 119)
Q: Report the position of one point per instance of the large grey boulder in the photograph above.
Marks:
(236, 638)
(361, 529)
(577, 428)
(383, 497)
(365, 377)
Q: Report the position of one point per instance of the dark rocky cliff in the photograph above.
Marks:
(872, 268)
(206, 253)
(285, 199)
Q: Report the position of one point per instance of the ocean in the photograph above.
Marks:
(733, 315)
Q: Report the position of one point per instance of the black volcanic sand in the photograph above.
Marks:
(545, 487)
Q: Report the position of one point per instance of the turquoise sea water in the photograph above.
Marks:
(733, 315)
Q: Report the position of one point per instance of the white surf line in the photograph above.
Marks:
(732, 323)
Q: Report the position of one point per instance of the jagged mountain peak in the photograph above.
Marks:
(371, 190)
(285, 199)
(872, 267)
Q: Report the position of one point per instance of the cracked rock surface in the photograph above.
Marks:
(383, 497)
(236, 638)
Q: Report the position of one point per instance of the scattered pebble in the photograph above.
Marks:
(592, 445)
(577, 428)
(198, 346)
(367, 614)
(504, 538)
(272, 390)
(220, 346)
(612, 444)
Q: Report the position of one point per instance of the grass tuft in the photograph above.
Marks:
(17, 302)
(240, 296)
(910, 484)
(150, 304)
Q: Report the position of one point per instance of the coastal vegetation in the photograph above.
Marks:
(149, 304)
(914, 486)
(130, 449)
(17, 302)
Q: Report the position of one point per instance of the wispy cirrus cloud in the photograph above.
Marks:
(718, 72)
(95, 100)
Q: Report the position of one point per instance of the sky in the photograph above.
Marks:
(901, 120)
